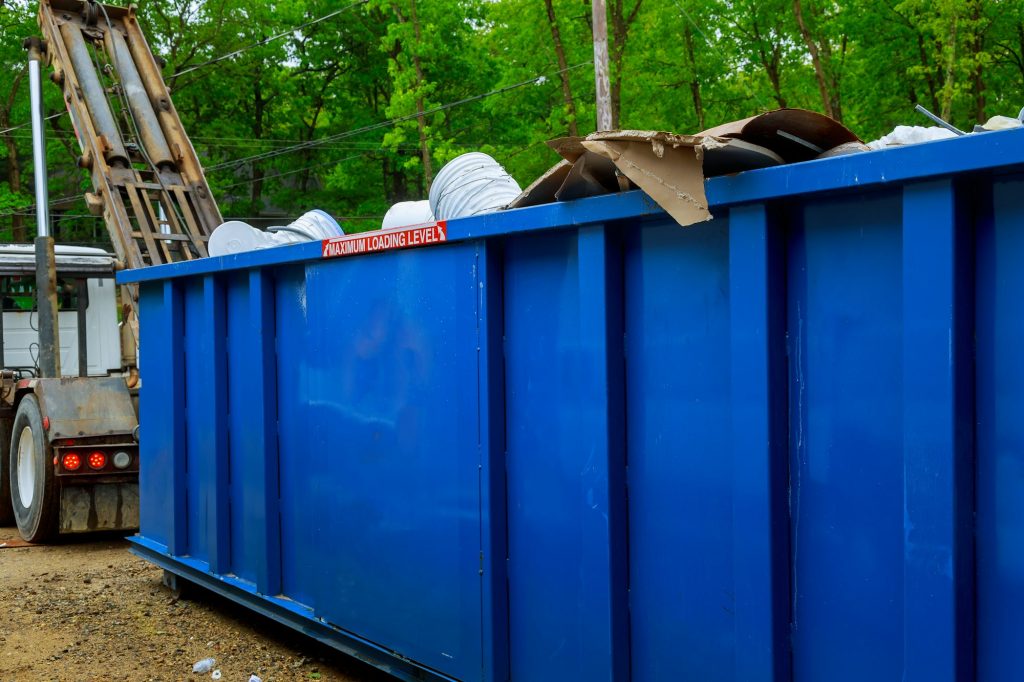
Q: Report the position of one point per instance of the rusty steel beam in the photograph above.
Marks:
(206, 210)
(97, 107)
(138, 100)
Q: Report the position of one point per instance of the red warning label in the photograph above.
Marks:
(385, 240)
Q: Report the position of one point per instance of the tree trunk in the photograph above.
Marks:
(421, 124)
(819, 70)
(947, 86)
(929, 79)
(395, 185)
(770, 64)
(977, 80)
(771, 67)
(563, 66)
(259, 108)
(698, 102)
(621, 22)
(13, 164)
(14, 178)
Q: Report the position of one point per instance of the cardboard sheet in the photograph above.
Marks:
(543, 189)
(666, 166)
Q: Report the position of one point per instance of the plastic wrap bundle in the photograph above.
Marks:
(471, 184)
(406, 213)
(234, 236)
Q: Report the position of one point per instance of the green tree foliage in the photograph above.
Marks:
(351, 106)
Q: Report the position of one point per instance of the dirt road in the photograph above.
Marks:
(89, 610)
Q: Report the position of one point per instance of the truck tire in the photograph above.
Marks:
(33, 485)
(6, 510)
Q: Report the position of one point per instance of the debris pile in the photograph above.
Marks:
(669, 167)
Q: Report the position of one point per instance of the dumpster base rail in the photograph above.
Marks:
(282, 611)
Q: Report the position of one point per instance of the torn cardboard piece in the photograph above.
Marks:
(590, 175)
(543, 189)
(582, 173)
(671, 168)
(666, 166)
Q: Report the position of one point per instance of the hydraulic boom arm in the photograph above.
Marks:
(147, 180)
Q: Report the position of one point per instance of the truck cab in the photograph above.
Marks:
(69, 447)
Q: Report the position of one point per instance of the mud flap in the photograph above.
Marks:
(105, 506)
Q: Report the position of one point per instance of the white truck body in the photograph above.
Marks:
(20, 321)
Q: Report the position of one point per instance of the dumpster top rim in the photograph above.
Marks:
(970, 153)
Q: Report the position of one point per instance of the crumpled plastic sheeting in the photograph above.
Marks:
(910, 135)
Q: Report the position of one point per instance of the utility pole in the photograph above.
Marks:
(604, 99)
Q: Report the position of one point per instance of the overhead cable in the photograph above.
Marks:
(390, 122)
(272, 38)
(25, 125)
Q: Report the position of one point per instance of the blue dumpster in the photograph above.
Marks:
(580, 442)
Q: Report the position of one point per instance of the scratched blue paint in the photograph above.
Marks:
(156, 460)
(846, 499)
(301, 524)
(677, 334)
(391, 420)
(581, 442)
(244, 562)
(198, 453)
(560, 496)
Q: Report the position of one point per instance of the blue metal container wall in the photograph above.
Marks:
(680, 465)
(566, 493)
(581, 442)
(846, 439)
(391, 411)
(1000, 434)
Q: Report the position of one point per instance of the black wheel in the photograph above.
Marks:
(6, 511)
(33, 485)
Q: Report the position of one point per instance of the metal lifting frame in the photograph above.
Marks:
(147, 181)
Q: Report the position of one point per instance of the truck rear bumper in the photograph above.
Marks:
(103, 506)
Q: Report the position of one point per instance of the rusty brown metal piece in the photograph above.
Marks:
(16, 542)
(793, 134)
(105, 506)
(46, 305)
(85, 406)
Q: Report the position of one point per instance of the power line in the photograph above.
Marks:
(222, 57)
(267, 40)
(385, 124)
(292, 172)
(53, 202)
(25, 125)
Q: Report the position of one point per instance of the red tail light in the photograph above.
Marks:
(97, 460)
(72, 461)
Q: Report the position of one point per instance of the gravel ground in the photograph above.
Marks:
(89, 610)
